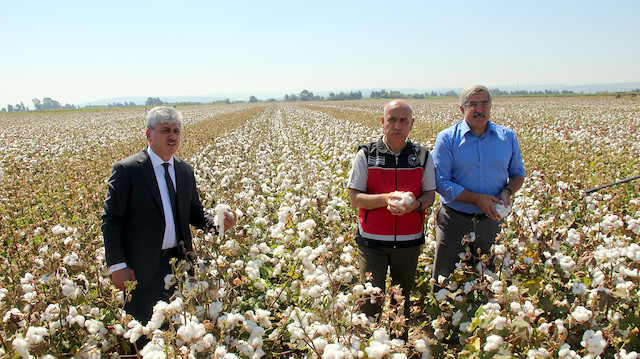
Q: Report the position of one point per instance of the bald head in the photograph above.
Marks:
(397, 104)
(396, 124)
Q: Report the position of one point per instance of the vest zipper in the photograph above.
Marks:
(395, 227)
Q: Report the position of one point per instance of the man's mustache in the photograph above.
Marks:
(478, 114)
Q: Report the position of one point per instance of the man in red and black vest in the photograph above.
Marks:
(392, 183)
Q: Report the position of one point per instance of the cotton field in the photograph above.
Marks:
(284, 282)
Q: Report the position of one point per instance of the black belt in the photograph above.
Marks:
(468, 215)
(172, 252)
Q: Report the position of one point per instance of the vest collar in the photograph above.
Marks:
(382, 147)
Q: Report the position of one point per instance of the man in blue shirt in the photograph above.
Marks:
(478, 164)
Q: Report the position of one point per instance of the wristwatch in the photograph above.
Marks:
(419, 207)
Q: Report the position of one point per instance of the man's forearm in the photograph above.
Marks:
(367, 200)
(514, 184)
(425, 200)
(469, 197)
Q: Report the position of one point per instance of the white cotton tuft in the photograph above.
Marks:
(503, 210)
(405, 201)
(220, 210)
(493, 342)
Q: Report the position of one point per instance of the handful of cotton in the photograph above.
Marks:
(404, 201)
(503, 210)
(220, 210)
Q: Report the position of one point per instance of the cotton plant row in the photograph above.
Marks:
(285, 172)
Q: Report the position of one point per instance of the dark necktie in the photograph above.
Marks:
(174, 200)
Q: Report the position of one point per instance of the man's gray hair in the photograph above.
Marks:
(163, 114)
(472, 90)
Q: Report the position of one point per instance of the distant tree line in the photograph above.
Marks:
(398, 94)
(306, 95)
(345, 96)
(525, 92)
(120, 104)
(48, 103)
(17, 108)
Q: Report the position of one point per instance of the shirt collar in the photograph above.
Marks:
(156, 160)
(491, 127)
(384, 140)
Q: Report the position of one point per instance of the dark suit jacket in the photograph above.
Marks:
(133, 220)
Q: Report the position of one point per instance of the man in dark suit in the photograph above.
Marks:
(151, 200)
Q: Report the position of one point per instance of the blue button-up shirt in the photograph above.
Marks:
(482, 164)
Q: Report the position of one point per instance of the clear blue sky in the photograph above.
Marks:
(82, 51)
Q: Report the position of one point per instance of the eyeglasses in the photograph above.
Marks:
(485, 104)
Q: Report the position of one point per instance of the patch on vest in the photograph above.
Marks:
(376, 161)
(413, 159)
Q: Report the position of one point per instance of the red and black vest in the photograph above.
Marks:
(387, 173)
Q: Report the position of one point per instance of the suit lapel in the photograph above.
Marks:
(146, 169)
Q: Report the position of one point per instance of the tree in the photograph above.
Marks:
(306, 95)
(37, 104)
(50, 104)
(253, 99)
(47, 104)
(153, 101)
(498, 92)
(9, 108)
(343, 96)
(19, 107)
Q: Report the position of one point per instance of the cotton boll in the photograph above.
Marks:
(593, 342)
(21, 346)
(35, 335)
(405, 200)
(377, 349)
(333, 351)
(320, 343)
(497, 287)
(493, 342)
(220, 211)
(503, 210)
(58, 229)
(582, 314)
(421, 345)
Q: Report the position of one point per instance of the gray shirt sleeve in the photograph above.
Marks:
(359, 174)
(429, 176)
